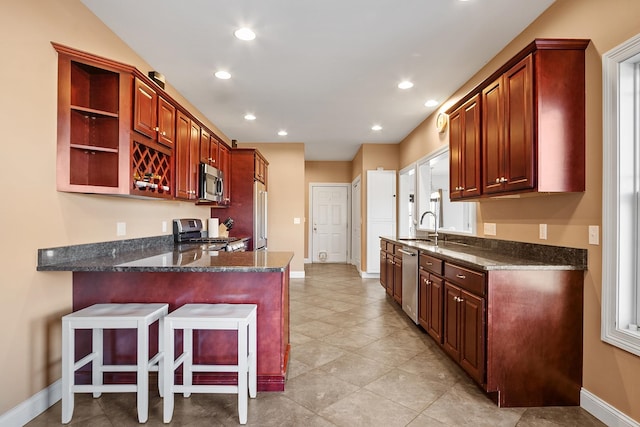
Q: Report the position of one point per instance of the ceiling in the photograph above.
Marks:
(325, 71)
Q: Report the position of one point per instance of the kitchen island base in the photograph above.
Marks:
(269, 290)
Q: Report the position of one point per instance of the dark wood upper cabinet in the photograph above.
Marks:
(508, 132)
(166, 122)
(186, 157)
(94, 97)
(464, 150)
(145, 116)
(208, 148)
(532, 124)
(153, 116)
(224, 164)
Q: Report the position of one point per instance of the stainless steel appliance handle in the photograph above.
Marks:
(407, 253)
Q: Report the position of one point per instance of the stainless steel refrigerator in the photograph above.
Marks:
(259, 216)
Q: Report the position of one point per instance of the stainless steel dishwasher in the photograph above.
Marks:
(410, 282)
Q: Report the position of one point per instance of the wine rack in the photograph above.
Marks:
(150, 171)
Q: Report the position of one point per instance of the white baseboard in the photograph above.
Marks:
(307, 261)
(32, 407)
(366, 275)
(605, 412)
(296, 274)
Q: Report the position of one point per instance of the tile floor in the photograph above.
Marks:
(356, 360)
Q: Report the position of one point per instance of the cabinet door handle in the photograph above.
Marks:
(156, 128)
(497, 180)
(429, 263)
(461, 276)
(503, 179)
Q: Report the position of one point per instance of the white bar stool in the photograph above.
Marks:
(240, 317)
(111, 316)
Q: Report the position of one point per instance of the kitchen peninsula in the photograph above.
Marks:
(156, 270)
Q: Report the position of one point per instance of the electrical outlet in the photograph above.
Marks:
(543, 231)
(490, 228)
(164, 226)
(121, 228)
(594, 235)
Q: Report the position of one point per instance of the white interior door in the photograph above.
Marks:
(356, 222)
(381, 213)
(329, 223)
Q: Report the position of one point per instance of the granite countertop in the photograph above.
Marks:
(492, 254)
(158, 255)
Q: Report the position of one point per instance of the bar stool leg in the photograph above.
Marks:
(97, 344)
(253, 362)
(161, 361)
(169, 372)
(187, 366)
(143, 372)
(243, 372)
(68, 343)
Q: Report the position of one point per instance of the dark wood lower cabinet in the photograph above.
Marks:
(430, 305)
(517, 333)
(397, 279)
(389, 274)
(391, 270)
(472, 338)
(383, 269)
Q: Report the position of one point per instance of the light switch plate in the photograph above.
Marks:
(296, 220)
(164, 226)
(594, 235)
(543, 231)
(490, 228)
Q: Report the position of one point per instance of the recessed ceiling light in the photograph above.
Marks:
(282, 133)
(249, 117)
(245, 34)
(406, 84)
(223, 75)
(376, 127)
(431, 103)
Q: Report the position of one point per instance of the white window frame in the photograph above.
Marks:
(620, 198)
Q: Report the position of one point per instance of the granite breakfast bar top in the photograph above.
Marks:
(158, 255)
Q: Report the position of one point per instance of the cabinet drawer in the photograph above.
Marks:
(431, 264)
(383, 245)
(470, 280)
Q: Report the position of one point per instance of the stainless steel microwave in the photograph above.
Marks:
(211, 186)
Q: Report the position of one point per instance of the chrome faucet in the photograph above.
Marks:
(435, 221)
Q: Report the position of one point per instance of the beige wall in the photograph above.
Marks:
(34, 215)
(285, 189)
(611, 374)
(322, 172)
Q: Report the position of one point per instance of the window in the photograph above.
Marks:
(433, 196)
(621, 197)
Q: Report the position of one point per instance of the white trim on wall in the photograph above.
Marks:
(603, 411)
(618, 241)
(26, 411)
